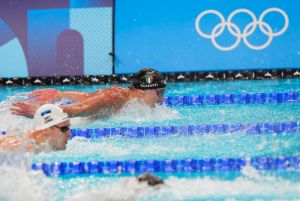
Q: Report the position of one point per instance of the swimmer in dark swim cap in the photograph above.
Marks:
(150, 179)
(147, 79)
(148, 86)
(144, 187)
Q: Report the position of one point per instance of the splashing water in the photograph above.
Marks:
(139, 112)
(206, 188)
(249, 185)
(122, 189)
(136, 112)
(19, 183)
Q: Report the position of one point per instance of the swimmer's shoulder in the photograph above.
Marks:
(112, 89)
(123, 91)
(12, 141)
(116, 93)
(118, 88)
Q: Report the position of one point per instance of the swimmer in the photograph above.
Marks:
(51, 130)
(150, 179)
(131, 188)
(148, 85)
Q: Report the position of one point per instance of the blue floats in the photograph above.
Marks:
(257, 98)
(94, 167)
(157, 131)
(160, 131)
(167, 166)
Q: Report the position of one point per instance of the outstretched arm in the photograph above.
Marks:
(108, 102)
(103, 103)
(47, 95)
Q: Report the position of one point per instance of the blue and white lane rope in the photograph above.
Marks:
(258, 98)
(167, 166)
(159, 131)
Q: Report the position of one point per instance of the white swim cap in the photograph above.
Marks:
(48, 115)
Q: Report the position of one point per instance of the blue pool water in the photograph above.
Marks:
(249, 184)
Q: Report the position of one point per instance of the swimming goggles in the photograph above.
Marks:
(63, 129)
(160, 92)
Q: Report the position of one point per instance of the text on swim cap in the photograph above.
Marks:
(149, 85)
(48, 119)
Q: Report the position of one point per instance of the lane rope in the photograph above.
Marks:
(256, 98)
(161, 131)
(167, 166)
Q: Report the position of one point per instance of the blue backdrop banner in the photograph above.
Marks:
(206, 35)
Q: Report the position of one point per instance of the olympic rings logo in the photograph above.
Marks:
(234, 30)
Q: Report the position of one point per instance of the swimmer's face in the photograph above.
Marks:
(154, 96)
(58, 135)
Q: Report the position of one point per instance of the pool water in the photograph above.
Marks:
(249, 184)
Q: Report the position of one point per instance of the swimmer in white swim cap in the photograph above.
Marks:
(51, 129)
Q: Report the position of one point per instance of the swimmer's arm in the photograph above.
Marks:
(104, 102)
(109, 101)
(75, 96)
(47, 95)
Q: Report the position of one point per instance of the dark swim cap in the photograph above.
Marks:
(151, 179)
(148, 78)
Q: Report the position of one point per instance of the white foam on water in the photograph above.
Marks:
(160, 148)
(262, 188)
(19, 183)
(116, 148)
(82, 148)
(125, 189)
(137, 112)
(134, 111)
(240, 187)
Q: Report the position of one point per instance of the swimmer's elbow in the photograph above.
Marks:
(71, 110)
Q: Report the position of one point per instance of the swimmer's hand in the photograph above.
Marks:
(23, 109)
(43, 96)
